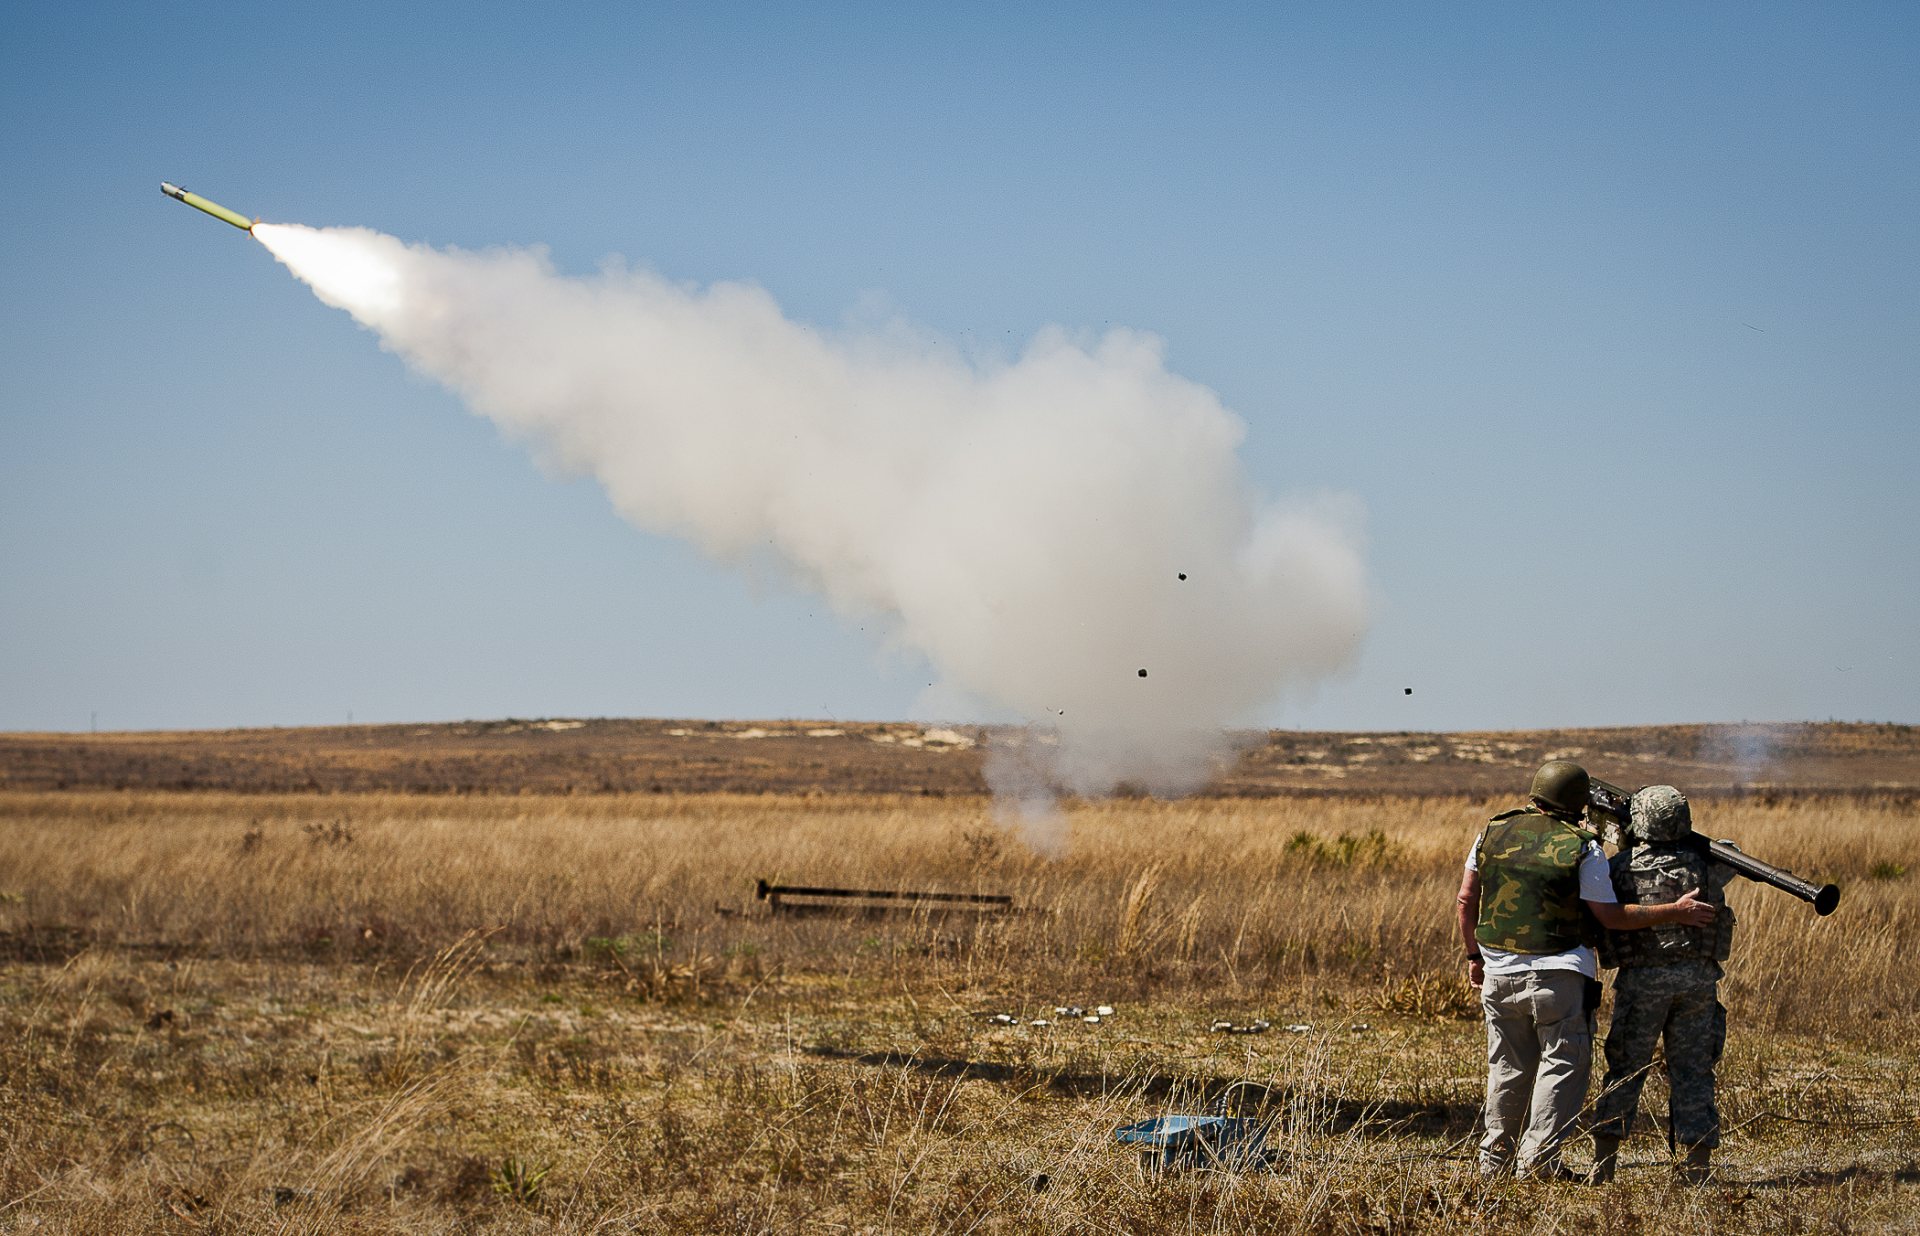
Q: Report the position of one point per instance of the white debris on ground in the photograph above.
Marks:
(513, 727)
(747, 732)
(928, 740)
(1064, 1013)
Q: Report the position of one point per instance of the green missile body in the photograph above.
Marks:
(213, 208)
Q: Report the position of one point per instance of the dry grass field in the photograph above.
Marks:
(405, 1012)
(602, 756)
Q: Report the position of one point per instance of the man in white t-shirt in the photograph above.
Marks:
(1535, 882)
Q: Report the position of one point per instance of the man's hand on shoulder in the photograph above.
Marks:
(1691, 911)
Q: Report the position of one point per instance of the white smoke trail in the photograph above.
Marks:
(1026, 524)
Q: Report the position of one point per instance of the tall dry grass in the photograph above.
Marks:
(401, 1014)
(1318, 896)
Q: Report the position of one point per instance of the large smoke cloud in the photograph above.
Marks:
(1024, 523)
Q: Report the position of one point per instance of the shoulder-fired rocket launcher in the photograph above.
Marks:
(213, 208)
(1613, 802)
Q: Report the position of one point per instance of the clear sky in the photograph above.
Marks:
(1608, 316)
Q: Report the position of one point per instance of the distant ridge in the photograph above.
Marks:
(580, 756)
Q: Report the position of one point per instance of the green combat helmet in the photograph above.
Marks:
(1562, 785)
(1659, 813)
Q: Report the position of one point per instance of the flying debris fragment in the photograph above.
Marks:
(213, 208)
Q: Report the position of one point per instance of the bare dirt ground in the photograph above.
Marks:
(574, 756)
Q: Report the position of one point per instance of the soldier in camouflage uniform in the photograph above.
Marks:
(1534, 885)
(1668, 985)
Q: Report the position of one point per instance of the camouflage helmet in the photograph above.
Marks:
(1562, 785)
(1659, 813)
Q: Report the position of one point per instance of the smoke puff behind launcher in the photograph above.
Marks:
(1024, 523)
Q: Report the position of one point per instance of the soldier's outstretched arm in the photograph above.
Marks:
(1689, 911)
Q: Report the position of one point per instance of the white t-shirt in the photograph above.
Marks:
(1596, 884)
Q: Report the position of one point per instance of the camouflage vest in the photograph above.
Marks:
(1657, 875)
(1530, 884)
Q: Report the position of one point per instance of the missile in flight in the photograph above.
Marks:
(213, 208)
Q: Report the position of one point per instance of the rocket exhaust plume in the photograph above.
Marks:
(1067, 536)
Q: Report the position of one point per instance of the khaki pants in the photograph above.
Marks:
(1539, 1053)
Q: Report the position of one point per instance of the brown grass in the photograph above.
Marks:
(401, 1013)
(619, 756)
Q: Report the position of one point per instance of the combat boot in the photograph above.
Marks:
(1606, 1158)
(1697, 1168)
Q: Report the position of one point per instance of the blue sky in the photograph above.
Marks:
(1607, 316)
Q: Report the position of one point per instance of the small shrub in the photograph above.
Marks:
(982, 845)
(1431, 994)
(333, 833)
(1372, 848)
(518, 1180)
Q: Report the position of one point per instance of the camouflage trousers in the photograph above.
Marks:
(1680, 1004)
